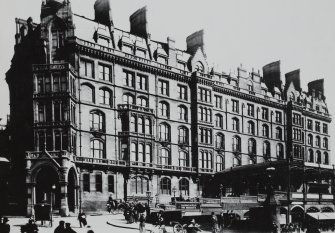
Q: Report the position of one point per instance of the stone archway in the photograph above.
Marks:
(72, 190)
(47, 187)
(297, 214)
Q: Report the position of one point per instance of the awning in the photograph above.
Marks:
(322, 216)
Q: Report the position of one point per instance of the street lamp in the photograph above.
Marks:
(148, 196)
(221, 187)
(174, 190)
(53, 187)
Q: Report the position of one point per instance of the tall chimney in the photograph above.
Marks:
(317, 86)
(271, 76)
(139, 23)
(194, 41)
(293, 76)
(103, 12)
(172, 52)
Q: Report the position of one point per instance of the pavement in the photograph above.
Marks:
(97, 223)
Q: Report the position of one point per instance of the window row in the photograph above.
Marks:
(165, 133)
(317, 157)
(56, 82)
(87, 69)
(55, 140)
(140, 82)
(164, 157)
(317, 126)
(98, 182)
(140, 124)
(183, 185)
(317, 141)
(88, 95)
(55, 111)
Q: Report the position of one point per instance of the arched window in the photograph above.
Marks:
(219, 141)
(218, 121)
(292, 96)
(310, 139)
(133, 152)
(318, 157)
(265, 130)
(142, 101)
(88, 93)
(280, 151)
(310, 156)
(139, 185)
(132, 124)
(325, 143)
(326, 158)
(250, 86)
(182, 111)
(97, 120)
(317, 141)
(140, 124)
(236, 144)
(252, 146)
(184, 187)
(165, 186)
(183, 159)
(140, 157)
(199, 67)
(266, 150)
(164, 132)
(182, 135)
(251, 127)
(279, 133)
(164, 109)
(97, 149)
(128, 99)
(147, 126)
(105, 97)
(219, 163)
(164, 157)
(236, 124)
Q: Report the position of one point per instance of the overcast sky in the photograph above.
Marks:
(300, 33)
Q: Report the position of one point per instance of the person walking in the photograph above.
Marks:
(142, 223)
(214, 223)
(60, 228)
(30, 227)
(221, 221)
(82, 218)
(68, 228)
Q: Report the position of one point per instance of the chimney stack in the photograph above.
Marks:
(103, 12)
(293, 76)
(139, 23)
(194, 41)
(316, 86)
(271, 76)
(172, 52)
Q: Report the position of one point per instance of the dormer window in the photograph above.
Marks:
(250, 86)
(127, 49)
(141, 53)
(199, 67)
(181, 65)
(162, 60)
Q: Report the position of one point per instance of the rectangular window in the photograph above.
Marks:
(98, 183)
(163, 87)
(142, 82)
(325, 128)
(86, 183)
(47, 84)
(235, 106)
(111, 183)
(218, 101)
(310, 124)
(278, 117)
(104, 72)
(296, 119)
(317, 126)
(182, 92)
(251, 110)
(204, 95)
(86, 68)
(128, 79)
(265, 114)
(205, 135)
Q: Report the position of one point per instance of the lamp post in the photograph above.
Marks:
(156, 199)
(53, 187)
(148, 196)
(220, 188)
(174, 190)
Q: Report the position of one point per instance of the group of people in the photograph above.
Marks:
(4, 226)
(133, 210)
(66, 228)
(218, 223)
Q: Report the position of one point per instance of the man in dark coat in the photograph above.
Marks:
(60, 228)
(68, 228)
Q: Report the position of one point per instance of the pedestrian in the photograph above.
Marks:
(142, 223)
(193, 227)
(82, 219)
(214, 223)
(30, 227)
(68, 228)
(4, 226)
(60, 228)
(221, 221)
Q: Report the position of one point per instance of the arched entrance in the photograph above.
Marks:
(297, 214)
(72, 191)
(46, 180)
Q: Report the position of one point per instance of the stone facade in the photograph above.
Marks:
(116, 113)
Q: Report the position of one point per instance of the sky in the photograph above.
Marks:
(299, 33)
